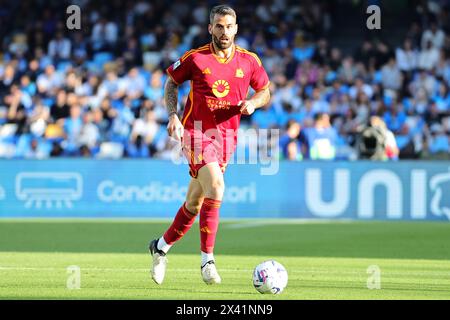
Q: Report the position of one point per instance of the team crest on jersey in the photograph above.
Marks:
(239, 73)
(206, 71)
(176, 64)
(220, 88)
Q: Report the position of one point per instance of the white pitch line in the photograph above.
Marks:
(103, 269)
(362, 272)
(270, 222)
(245, 225)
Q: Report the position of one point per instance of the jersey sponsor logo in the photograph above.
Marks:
(239, 73)
(176, 64)
(206, 71)
(214, 104)
(220, 88)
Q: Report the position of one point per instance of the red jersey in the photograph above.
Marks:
(212, 115)
(217, 85)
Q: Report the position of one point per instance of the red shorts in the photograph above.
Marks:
(200, 150)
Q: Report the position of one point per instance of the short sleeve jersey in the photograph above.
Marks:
(217, 85)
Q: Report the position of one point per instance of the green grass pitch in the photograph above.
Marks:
(325, 260)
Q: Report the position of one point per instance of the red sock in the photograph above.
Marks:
(181, 224)
(209, 223)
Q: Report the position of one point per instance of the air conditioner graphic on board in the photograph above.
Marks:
(52, 189)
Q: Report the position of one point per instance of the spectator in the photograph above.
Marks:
(33, 70)
(27, 86)
(137, 148)
(360, 86)
(72, 128)
(432, 116)
(34, 151)
(132, 53)
(290, 146)
(439, 143)
(442, 98)
(321, 139)
(38, 120)
(118, 89)
(423, 80)
(56, 150)
(390, 147)
(85, 152)
(405, 143)
(319, 104)
(146, 129)
(7, 80)
(391, 76)
(366, 53)
(112, 87)
(49, 82)
(382, 54)
(406, 57)
(428, 57)
(433, 35)
(60, 109)
(89, 133)
(394, 118)
(134, 84)
(104, 35)
(59, 48)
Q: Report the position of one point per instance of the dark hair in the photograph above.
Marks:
(290, 123)
(221, 10)
(319, 115)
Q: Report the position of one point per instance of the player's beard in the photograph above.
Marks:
(223, 46)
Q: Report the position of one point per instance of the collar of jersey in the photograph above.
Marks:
(222, 60)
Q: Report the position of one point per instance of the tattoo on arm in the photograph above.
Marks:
(261, 98)
(171, 95)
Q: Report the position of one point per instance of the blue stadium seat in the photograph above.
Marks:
(44, 146)
(48, 101)
(117, 104)
(103, 57)
(23, 145)
(63, 66)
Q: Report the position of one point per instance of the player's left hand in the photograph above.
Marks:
(247, 107)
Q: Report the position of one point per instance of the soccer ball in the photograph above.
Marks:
(270, 277)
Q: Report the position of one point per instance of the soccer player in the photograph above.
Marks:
(220, 75)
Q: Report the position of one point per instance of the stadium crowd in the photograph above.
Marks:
(98, 91)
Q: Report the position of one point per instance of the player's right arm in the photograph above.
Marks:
(174, 127)
(178, 72)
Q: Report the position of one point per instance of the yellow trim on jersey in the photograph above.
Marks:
(187, 54)
(242, 50)
(191, 98)
(265, 87)
(171, 77)
(194, 49)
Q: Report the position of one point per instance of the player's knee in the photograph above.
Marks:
(217, 188)
(194, 205)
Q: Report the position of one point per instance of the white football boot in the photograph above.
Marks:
(210, 274)
(158, 270)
